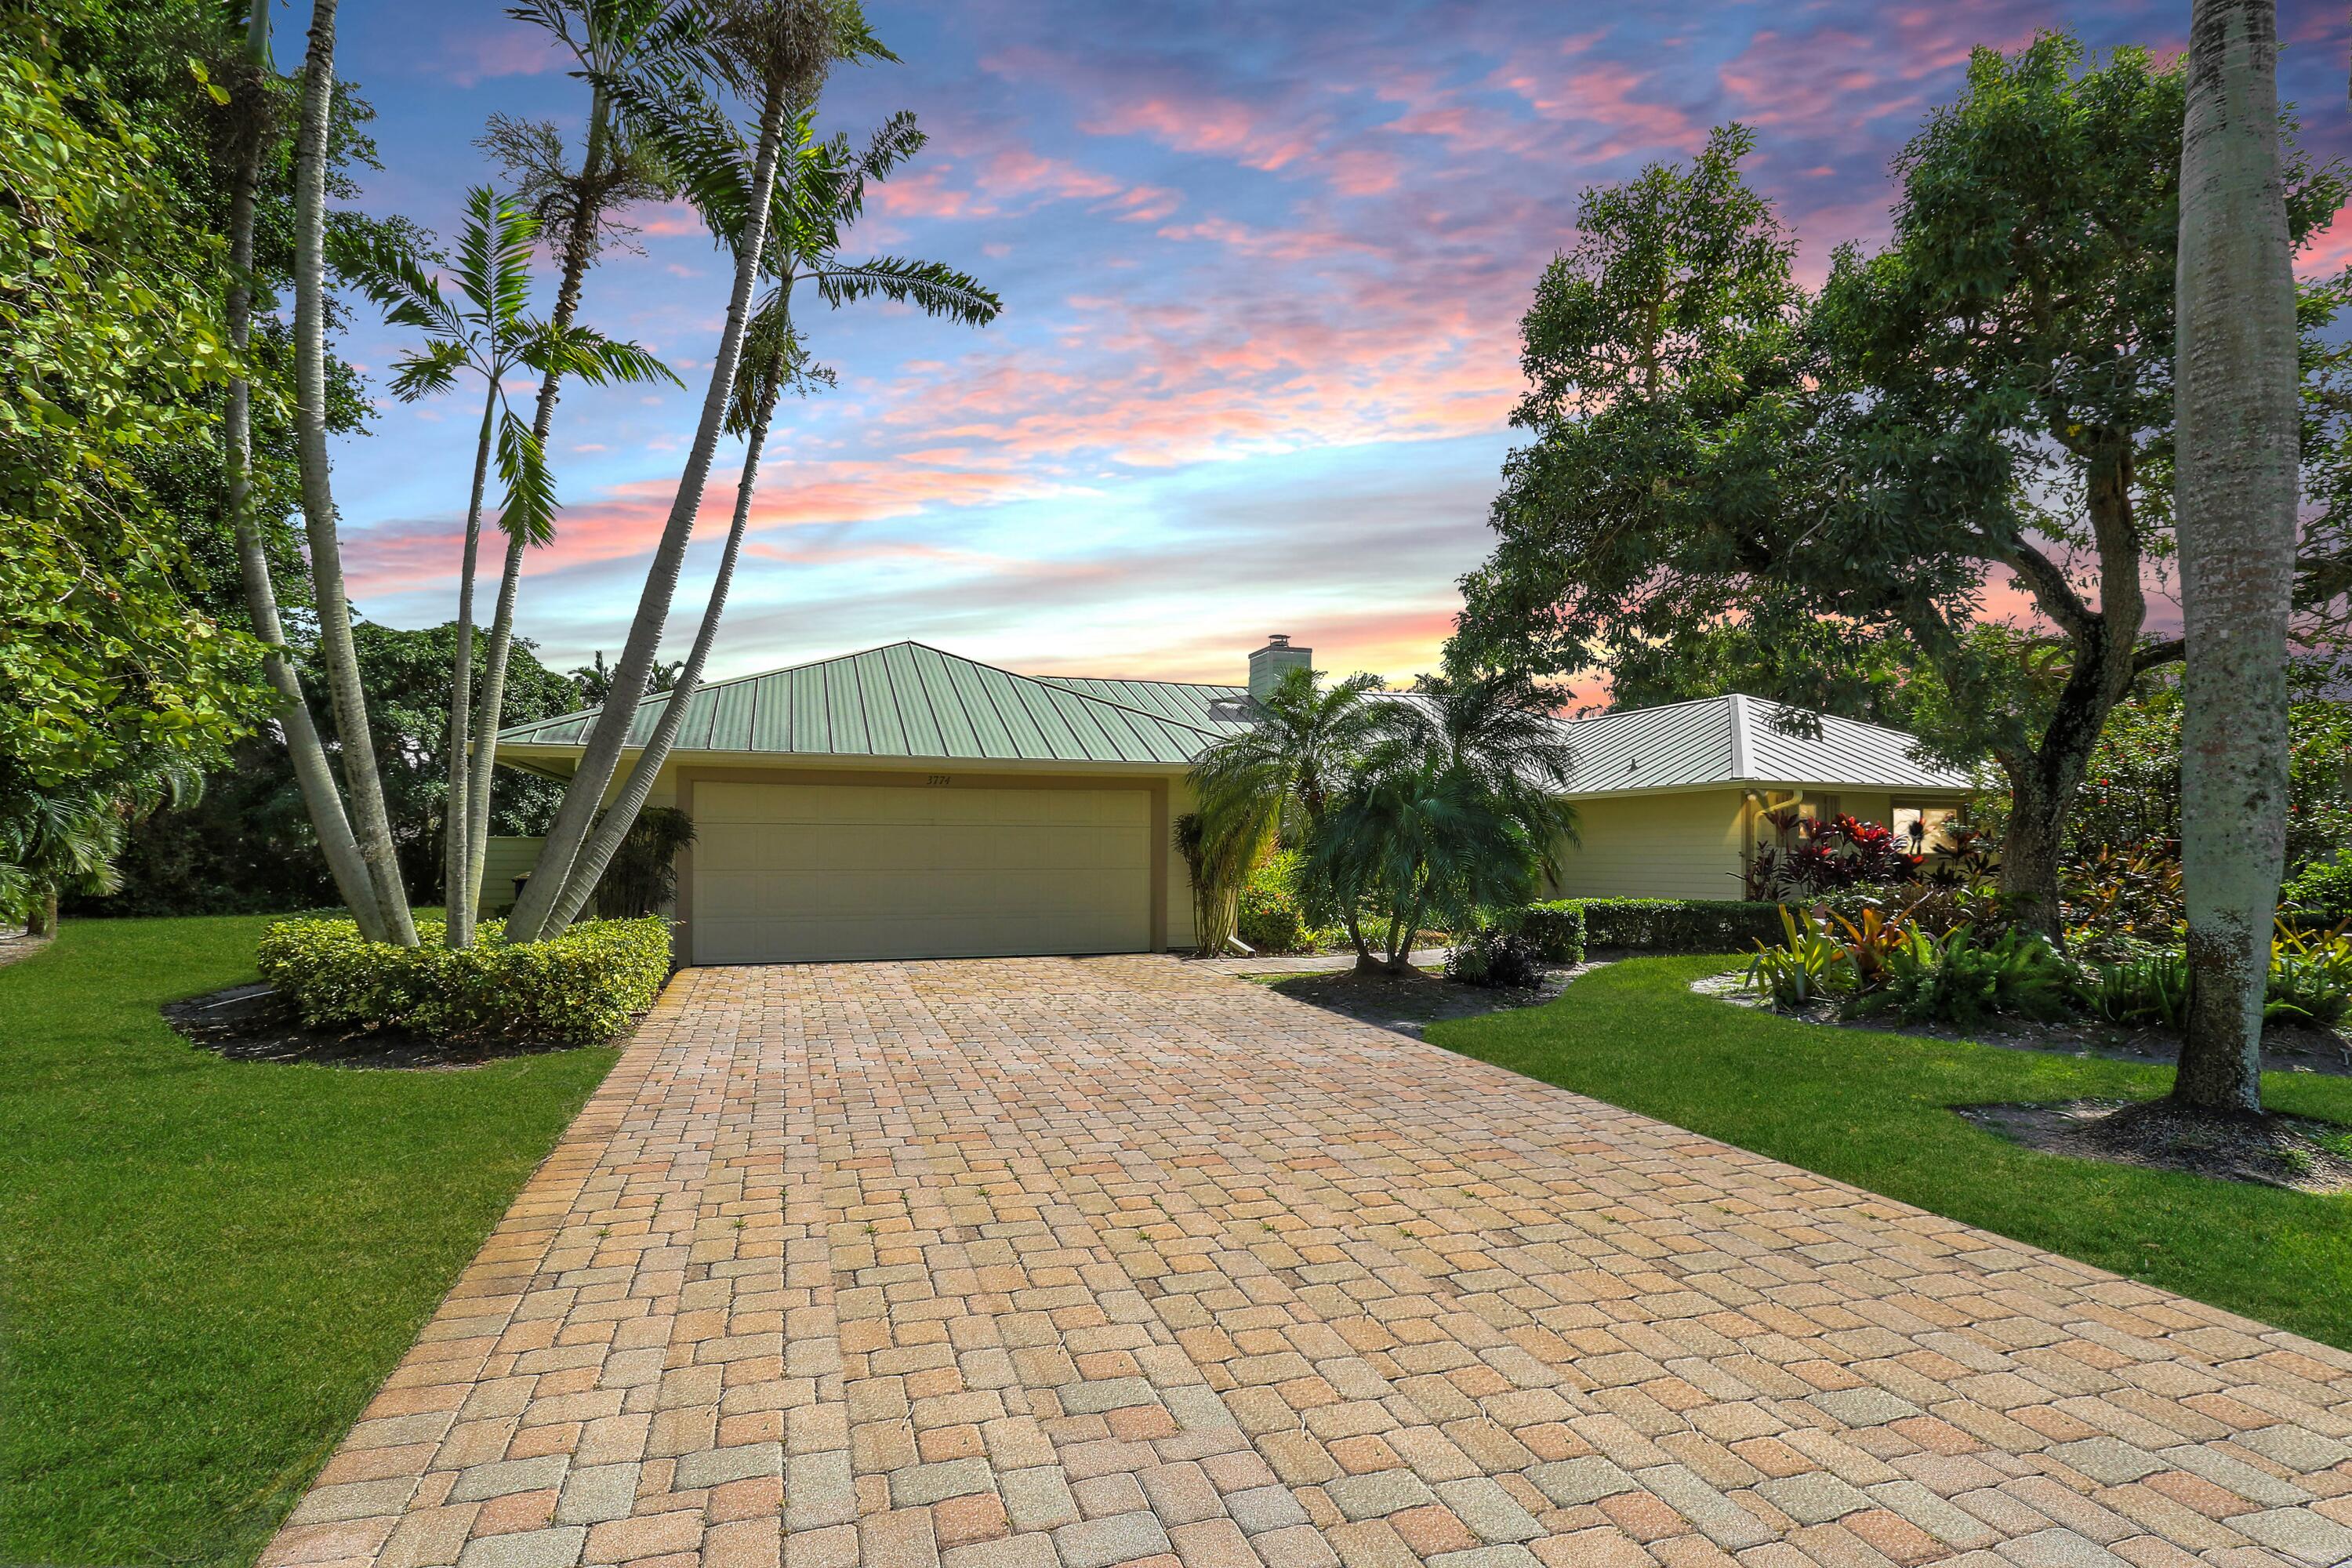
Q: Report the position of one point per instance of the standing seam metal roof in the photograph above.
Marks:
(910, 699)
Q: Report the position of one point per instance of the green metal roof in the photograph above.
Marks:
(910, 699)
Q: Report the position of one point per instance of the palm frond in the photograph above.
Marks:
(429, 371)
(529, 509)
(591, 356)
(932, 287)
(698, 144)
(391, 273)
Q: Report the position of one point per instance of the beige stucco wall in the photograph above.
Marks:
(1181, 935)
(1655, 846)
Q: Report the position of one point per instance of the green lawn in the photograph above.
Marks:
(1872, 1108)
(206, 1267)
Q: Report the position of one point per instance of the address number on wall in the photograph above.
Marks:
(938, 779)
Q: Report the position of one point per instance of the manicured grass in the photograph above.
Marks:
(1873, 1109)
(207, 1267)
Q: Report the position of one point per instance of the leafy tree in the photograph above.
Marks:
(820, 196)
(776, 54)
(1987, 399)
(486, 332)
(594, 679)
(2240, 434)
(245, 844)
(110, 679)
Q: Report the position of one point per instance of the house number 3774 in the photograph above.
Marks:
(938, 779)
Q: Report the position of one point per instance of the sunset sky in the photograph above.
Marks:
(1263, 267)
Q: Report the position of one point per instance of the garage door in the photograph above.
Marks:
(791, 872)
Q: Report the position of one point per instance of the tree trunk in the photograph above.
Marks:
(456, 815)
(41, 920)
(319, 516)
(313, 775)
(2236, 492)
(602, 843)
(551, 878)
(579, 249)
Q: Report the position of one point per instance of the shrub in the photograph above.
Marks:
(1959, 980)
(1494, 956)
(2310, 980)
(2147, 988)
(2324, 889)
(1807, 966)
(1556, 929)
(1268, 918)
(583, 986)
(1680, 925)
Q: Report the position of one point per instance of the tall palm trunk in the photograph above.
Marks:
(456, 815)
(598, 852)
(319, 516)
(579, 249)
(322, 796)
(2236, 495)
(550, 880)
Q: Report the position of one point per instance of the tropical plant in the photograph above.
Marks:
(1810, 858)
(1957, 979)
(2150, 988)
(776, 54)
(1868, 943)
(2309, 977)
(1807, 966)
(651, 46)
(643, 876)
(486, 332)
(1495, 957)
(1454, 810)
(2111, 897)
(2237, 495)
(2324, 889)
(1304, 741)
(820, 195)
(593, 680)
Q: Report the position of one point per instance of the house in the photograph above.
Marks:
(908, 802)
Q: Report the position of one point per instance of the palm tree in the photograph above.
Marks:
(485, 332)
(247, 81)
(813, 209)
(1284, 770)
(1454, 810)
(775, 54)
(373, 822)
(649, 44)
(2237, 489)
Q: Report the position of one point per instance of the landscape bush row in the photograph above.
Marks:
(582, 988)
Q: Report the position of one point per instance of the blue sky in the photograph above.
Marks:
(1263, 268)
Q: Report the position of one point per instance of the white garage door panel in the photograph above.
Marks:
(802, 872)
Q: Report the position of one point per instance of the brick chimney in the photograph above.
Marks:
(1277, 659)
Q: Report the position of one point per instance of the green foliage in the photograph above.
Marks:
(2115, 901)
(246, 847)
(2310, 979)
(2323, 888)
(1807, 964)
(1556, 929)
(1496, 957)
(1678, 925)
(2152, 988)
(583, 986)
(1956, 979)
(1268, 916)
(642, 876)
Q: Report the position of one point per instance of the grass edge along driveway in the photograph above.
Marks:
(207, 1267)
(1873, 1109)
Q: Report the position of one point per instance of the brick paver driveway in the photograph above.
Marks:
(1077, 1263)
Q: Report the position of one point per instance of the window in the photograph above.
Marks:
(1920, 828)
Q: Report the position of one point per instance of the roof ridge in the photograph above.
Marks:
(1068, 691)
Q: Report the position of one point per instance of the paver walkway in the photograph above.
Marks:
(1069, 1262)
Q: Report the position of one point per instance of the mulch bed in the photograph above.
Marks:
(2285, 1048)
(2275, 1151)
(1408, 1003)
(254, 1024)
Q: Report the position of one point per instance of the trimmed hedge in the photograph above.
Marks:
(1565, 928)
(584, 986)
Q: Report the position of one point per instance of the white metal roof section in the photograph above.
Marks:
(1734, 740)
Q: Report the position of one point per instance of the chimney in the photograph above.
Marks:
(1277, 659)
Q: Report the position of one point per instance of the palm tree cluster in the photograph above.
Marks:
(672, 86)
(1440, 805)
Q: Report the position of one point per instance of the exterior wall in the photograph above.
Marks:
(503, 861)
(1678, 845)
(1180, 934)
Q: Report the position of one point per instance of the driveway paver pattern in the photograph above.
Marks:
(1052, 1263)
